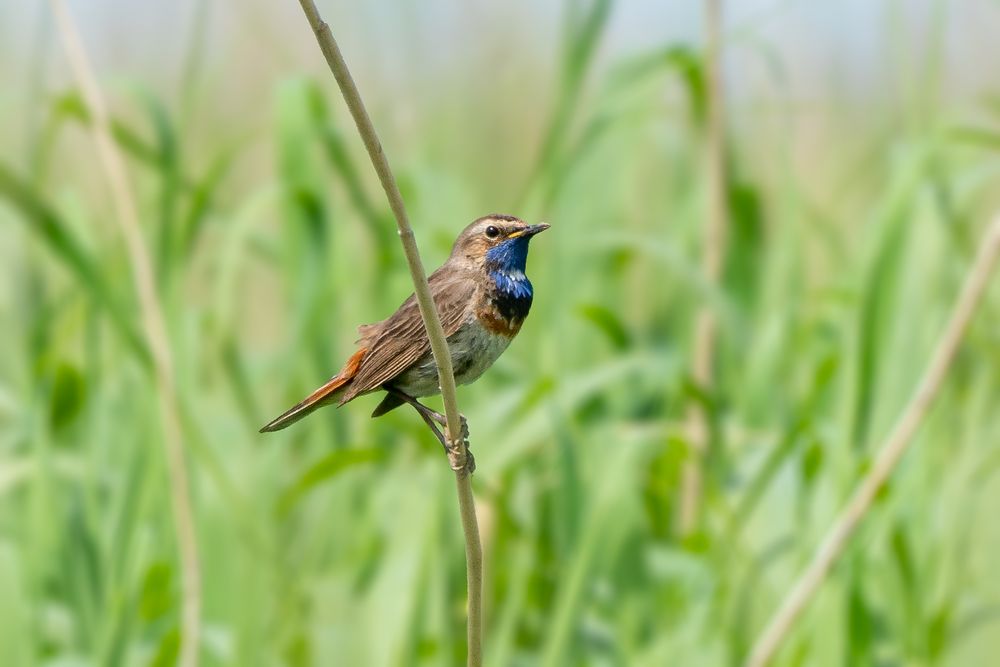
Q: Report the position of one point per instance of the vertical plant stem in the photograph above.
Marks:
(458, 453)
(127, 215)
(193, 58)
(473, 568)
(846, 523)
(714, 247)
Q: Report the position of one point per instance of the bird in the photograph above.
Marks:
(482, 297)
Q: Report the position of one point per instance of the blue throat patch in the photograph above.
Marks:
(506, 263)
(516, 286)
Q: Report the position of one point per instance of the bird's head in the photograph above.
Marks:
(497, 243)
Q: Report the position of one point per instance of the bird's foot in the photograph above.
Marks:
(443, 420)
(463, 426)
(435, 422)
(459, 455)
(456, 448)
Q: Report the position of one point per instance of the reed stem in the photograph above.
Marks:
(458, 452)
(714, 246)
(127, 215)
(838, 537)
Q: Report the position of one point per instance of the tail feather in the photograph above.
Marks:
(325, 395)
(390, 402)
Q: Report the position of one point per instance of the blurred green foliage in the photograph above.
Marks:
(337, 542)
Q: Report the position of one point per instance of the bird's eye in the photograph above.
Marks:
(492, 232)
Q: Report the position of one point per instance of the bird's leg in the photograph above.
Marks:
(433, 419)
(428, 413)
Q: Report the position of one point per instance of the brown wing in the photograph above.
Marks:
(396, 343)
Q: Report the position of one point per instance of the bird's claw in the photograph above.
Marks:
(454, 448)
(469, 465)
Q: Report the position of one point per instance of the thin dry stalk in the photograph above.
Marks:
(715, 239)
(458, 453)
(843, 528)
(155, 328)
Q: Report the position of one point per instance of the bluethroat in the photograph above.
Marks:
(482, 297)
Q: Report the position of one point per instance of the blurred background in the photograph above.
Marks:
(862, 142)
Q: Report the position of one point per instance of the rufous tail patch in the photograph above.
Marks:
(322, 396)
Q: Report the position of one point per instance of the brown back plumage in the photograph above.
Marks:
(397, 342)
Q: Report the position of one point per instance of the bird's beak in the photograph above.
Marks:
(530, 230)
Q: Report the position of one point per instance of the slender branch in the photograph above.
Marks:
(899, 439)
(156, 331)
(458, 452)
(715, 237)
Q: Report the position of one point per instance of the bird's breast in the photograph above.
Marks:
(501, 319)
(474, 348)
